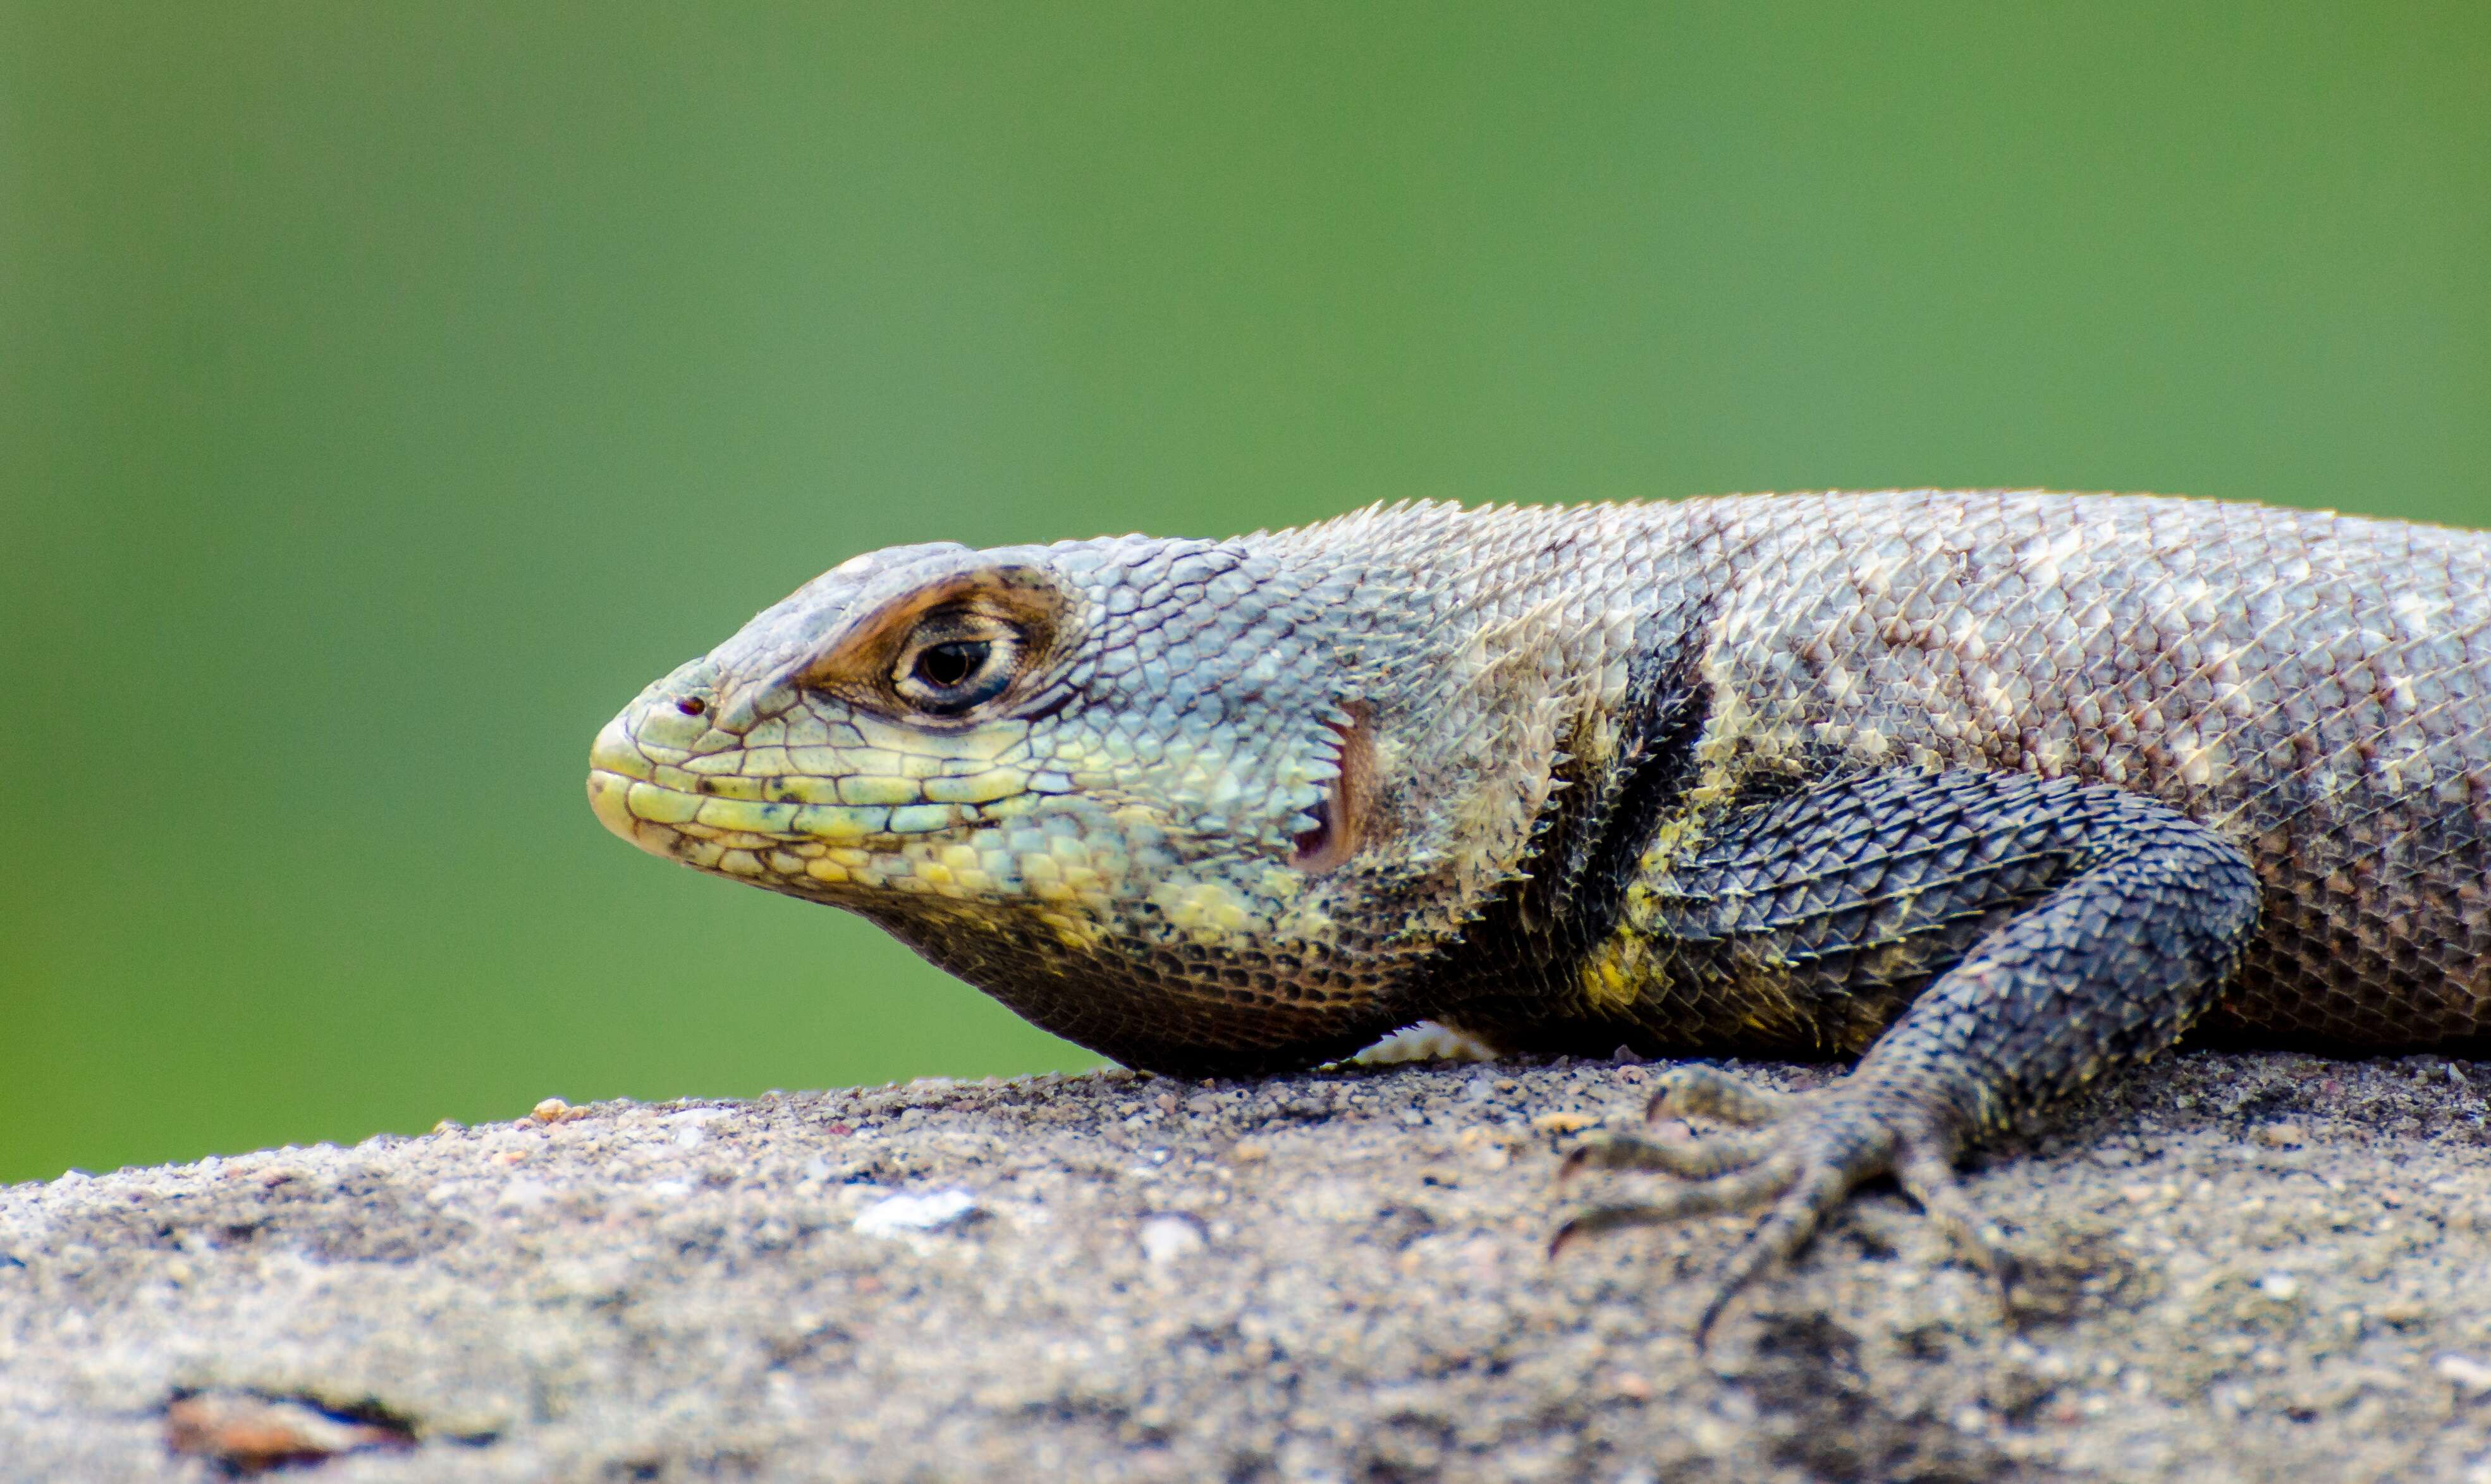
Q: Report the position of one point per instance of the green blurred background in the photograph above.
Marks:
(388, 392)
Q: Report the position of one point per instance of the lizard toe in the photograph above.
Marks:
(1812, 1149)
(1778, 1238)
(1687, 1158)
(1694, 1090)
(1927, 1175)
(1738, 1191)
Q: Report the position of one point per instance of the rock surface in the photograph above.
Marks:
(2246, 1267)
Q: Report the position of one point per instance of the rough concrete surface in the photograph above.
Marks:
(2246, 1267)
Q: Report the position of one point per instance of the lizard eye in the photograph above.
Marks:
(947, 674)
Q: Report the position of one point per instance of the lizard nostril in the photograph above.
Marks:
(691, 706)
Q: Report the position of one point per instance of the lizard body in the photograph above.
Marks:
(1995, 791)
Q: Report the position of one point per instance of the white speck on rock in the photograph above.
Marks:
(520, 1194)
(1170, 1237)
(2281, 1286)
(895, 1215)
(2469, 1374)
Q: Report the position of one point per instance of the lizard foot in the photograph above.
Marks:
(1802, 1154)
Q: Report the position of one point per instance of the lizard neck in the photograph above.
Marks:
(1536, 712)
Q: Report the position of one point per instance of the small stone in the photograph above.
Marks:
(2471, 1375)
(1564, 1121)
(2281, 1136)
(896, 1216)
(2281, 1287)
(1246, 1151)
(1170, 1237)
(242, 1434)
(523, 1193)
(553, 1110)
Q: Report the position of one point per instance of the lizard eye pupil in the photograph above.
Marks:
(948, 665)
(943, 676)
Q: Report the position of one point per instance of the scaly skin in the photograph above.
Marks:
(1995, 791)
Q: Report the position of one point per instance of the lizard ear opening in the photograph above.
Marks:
(1340, 815)
(947, 648)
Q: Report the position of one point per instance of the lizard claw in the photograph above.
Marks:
(1804, 1154)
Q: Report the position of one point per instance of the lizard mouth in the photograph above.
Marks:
(1340, 815)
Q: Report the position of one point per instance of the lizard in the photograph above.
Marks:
(1989, 791)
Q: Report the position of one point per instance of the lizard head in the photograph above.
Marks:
(1153, 794)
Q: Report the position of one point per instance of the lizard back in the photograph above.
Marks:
(2315, 687)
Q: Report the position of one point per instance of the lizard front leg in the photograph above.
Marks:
(2060, 931)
